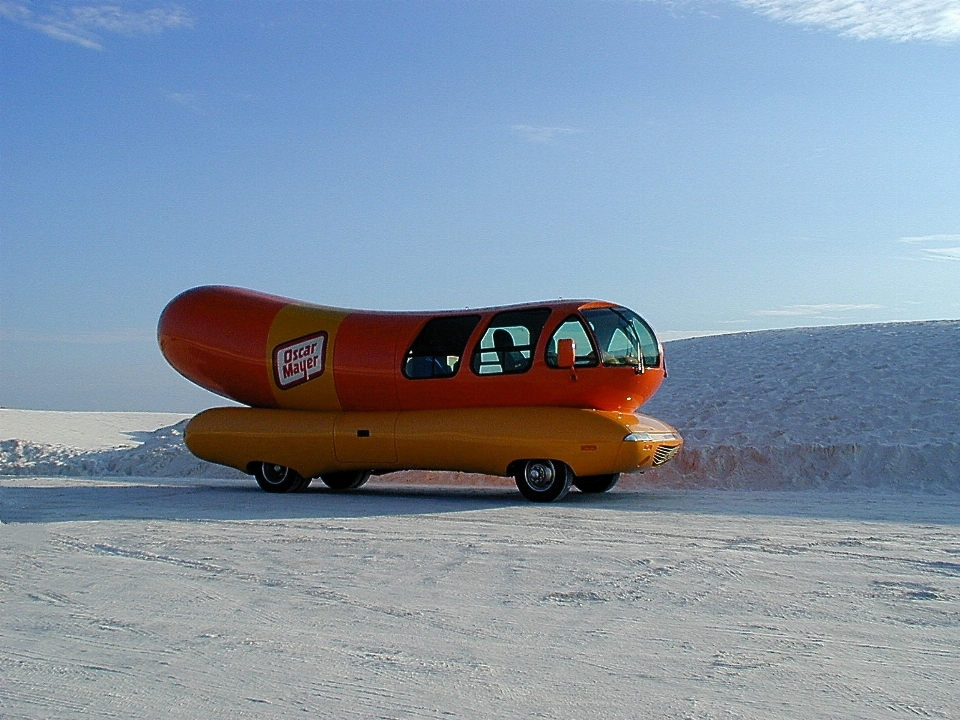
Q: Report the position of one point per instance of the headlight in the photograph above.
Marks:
(649, 437)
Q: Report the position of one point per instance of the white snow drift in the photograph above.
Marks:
(831, 407)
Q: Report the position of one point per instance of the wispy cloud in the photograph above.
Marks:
(820, 311)
(919, 239)
(84, 25)
(951, 253)
(191, 101)
(535, 133)
(897, 20)
(936, 247)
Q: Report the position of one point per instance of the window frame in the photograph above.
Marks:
(629, 316)
(590, 338)
(531, 347)
(408, 355)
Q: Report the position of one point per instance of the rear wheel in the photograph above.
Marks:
(596, 483)
(346, 480)
(543, 480)
(278, 478)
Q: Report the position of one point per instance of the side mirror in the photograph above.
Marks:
(566, 353)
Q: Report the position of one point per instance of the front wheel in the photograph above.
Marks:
(278, 478)
(346, 480)
(596, 483)
(543, 480)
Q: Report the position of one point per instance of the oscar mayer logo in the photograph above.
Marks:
(299, 360)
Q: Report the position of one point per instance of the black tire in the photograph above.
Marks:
(278, 478)
(346, 480)
(543, 480)
(596, 483)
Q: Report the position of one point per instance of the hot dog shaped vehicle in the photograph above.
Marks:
(545, 392)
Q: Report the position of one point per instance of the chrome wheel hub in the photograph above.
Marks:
(540, 475)
(274, 474)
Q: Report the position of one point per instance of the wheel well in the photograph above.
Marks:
(252, 466)
(516, 465)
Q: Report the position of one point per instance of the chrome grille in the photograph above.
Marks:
(664, 453)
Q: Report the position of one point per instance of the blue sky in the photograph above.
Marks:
(715, 165)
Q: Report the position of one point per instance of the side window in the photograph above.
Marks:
(508, 344)
(439, 347)
(572, 328)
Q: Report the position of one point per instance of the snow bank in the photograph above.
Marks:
(83, 430)
(160, 454)
(861, 406)
(840, 408)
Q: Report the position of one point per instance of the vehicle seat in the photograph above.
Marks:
(511, 360)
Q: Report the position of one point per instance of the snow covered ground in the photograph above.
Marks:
(86, 431)
(192, 594)
(189, 598)
(90, 444)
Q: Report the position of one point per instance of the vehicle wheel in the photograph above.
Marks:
(346, 480)
(543, 480)
(304, 485)
(277, 478)
(596, 483)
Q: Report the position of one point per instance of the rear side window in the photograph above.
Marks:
(508, 344)
(572, 328)
(439, 347)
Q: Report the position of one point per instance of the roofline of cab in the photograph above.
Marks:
(561, 305)
(569, 306)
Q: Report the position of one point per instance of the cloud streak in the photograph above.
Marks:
(84, 25)
(187, 100)
(896, 20)
(822, 310)
(535, 133)
(919, 239)
(947, 247)
(950, 253)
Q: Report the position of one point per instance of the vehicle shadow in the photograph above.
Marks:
(48, 500)
(67, 500)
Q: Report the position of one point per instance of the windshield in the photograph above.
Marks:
(623, 336)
